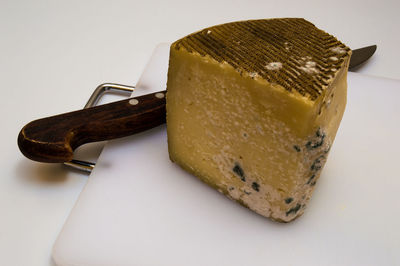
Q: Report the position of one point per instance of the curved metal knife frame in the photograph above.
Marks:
(97, 94)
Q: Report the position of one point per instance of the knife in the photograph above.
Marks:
(54, 139)
(361, 55)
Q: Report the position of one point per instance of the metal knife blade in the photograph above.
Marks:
(361, 55)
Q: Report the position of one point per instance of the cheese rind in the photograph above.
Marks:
(250, 137)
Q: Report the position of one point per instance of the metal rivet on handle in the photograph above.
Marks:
(133, 102)
(160, 95)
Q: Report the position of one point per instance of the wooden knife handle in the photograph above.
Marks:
(53, 139)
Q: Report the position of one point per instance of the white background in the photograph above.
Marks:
(54, 53)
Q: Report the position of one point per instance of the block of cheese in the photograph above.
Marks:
(253, 108)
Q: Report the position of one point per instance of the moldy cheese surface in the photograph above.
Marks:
(253, 108)
(281, 51)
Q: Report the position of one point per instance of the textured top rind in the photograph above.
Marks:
(290, 52)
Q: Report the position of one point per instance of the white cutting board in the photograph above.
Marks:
(138, 208)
